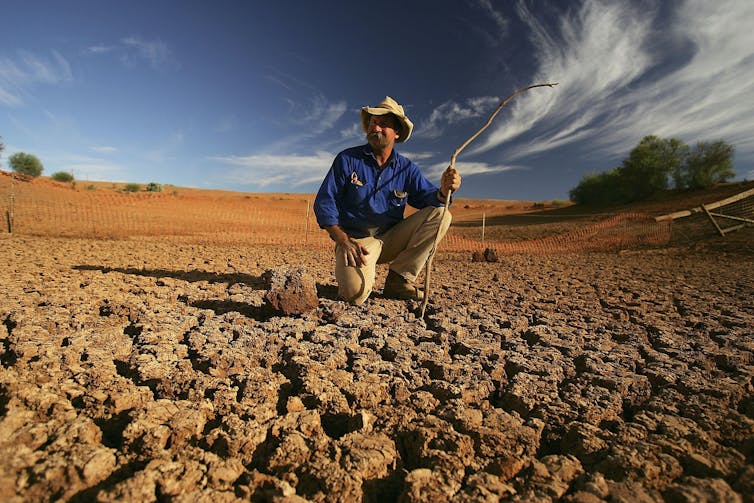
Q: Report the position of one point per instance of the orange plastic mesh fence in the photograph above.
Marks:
(622, 231)
(284, 220)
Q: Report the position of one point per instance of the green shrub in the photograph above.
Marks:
(131, 187)
(62, 176)
(154, 187)
(26, 164)
(599, 188)
(91, 187)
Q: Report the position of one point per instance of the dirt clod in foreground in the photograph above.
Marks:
(148, 370)
(290, 291)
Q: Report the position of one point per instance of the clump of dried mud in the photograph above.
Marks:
(149, 370)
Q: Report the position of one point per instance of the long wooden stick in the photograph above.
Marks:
(428, 269)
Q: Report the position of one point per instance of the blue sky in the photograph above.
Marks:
(259, 96)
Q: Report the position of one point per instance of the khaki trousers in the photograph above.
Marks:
(405, 246)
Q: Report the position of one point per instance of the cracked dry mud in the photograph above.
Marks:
(151, 371)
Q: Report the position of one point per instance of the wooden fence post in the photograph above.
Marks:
(306, 238)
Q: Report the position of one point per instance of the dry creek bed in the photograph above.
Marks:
(146, 370)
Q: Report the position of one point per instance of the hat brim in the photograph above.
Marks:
(406, 125)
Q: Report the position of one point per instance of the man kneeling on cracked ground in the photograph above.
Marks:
(361, 205)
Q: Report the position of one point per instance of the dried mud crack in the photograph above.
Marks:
(151, 371)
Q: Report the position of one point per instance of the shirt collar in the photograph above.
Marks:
(391, 160)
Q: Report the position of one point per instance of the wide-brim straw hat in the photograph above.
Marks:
(388, 106)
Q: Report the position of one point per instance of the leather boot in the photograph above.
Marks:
(398, 287)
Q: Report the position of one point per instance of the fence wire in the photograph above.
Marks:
(43, 208)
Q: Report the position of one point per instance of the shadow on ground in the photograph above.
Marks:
(255, 282)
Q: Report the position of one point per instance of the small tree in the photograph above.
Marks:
(62, 176)
(2, 147)
(708, 164)
(154, 187)
(26, 164)
(646, 170)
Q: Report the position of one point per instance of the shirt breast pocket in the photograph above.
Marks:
(398, 198)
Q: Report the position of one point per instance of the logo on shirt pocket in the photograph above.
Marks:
(355, 180)
(399, 198)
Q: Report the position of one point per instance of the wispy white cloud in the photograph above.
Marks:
(309, 106)
(226, 124)
(450, 112)
(468, 168)
(417, 156)
(7, 98)
(280, 82)
(22, 71)
(103, 149)
(492, 34)
(99, 49)
(354, 131)
(596, 54)
(52, 70)
(313, 119)
(621, 78)
(132, 50)
(310, 119)
(261, 171)
(320, 111)
(155, 52)
(500, 20)
(290, 83)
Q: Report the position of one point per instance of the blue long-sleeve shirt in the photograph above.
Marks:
(366, 200)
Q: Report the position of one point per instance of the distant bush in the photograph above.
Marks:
(558, 202)
(131, 187)
(62, 176)
(154, 187)
(91, 187)
(599, 188)
(26, 164)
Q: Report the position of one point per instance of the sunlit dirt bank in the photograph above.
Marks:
(149, 370)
